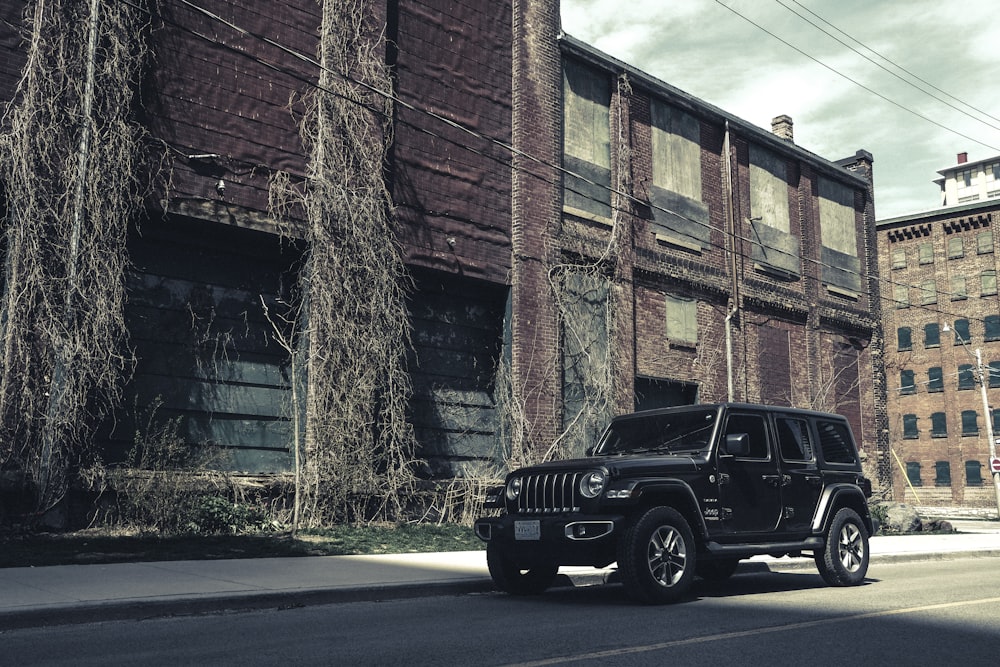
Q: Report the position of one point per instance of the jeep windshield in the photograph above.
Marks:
(687, 432)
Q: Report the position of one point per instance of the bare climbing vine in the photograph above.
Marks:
(70, 166)
(351, 328)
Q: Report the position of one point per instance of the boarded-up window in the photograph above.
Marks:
(939, 425)
(926, 253)
(679, 215)
(904, 340)
(906, 385)
(775, 367)
(973, 473)
(962, 331)
(682, 320)
(838, 230)
(913, 473)
(901, 296)
(956, 248)
(910, 430)
(586, 370)
(958, 291)
(988, 283)
(928, 292)
(935, 380)
(774, 246)
(984, 243)
(994, 374)
(970, 422)
(966, 380)
(586, 139)
(932, 335)
(899, 258)
(457, 334)
(991, 328)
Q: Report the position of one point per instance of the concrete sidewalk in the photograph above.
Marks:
(40, 596)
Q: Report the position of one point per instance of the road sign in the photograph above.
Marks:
(994, 465)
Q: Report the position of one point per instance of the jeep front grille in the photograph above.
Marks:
(549, 494)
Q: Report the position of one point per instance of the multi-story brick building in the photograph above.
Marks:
(603, 239)
(940, 289)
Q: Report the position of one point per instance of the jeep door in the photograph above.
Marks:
(750, 482)
(801, 479)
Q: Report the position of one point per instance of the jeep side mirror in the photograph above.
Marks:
(738, 444)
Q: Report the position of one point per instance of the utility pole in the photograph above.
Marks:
(987, 414)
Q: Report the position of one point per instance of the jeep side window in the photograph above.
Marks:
(756, 430)
(835, 441)
(793, 439)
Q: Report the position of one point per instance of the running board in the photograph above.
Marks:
(770, 548)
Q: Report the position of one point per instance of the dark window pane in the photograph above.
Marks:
(910, 426)
(904, 339)
(913, 473)
(939, 425)
(966, 380)
(932, 335)
(835, 441)
(970, 425)
(942, 473)
(935, 379)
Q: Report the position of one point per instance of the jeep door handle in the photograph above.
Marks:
(773, 480)
(814, 480)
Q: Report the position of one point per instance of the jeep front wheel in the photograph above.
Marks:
(513, 579)
(656, 556)
(844, 558)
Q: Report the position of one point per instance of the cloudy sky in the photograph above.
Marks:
(844, 102)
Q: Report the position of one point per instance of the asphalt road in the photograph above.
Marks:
(921, 613)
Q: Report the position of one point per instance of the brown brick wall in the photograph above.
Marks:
(908, 233)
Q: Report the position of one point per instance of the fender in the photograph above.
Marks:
(667, 485)
(829, 500)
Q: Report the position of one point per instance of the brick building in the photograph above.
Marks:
(942, 308)
(605, 240)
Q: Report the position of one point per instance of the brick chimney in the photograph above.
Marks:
(782, 126)
(963, 158)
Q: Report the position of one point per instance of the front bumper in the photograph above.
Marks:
(566, 539)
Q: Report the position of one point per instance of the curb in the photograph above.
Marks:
(123, 610)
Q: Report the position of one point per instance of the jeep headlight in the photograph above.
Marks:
(513, 488)
(593, 483)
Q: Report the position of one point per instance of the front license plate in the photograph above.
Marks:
(527, 530)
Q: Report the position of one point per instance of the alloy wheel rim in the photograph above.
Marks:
(852, 548)
(667, 556)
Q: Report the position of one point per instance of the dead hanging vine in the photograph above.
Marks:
(70, 161)
(351, 324)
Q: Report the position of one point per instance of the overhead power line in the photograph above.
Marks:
(878, 64)
(857, 83)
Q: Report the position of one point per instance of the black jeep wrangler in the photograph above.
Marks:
(678, 492)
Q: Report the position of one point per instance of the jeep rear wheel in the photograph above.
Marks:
(844, 558)
(656, 556)
(513, 579)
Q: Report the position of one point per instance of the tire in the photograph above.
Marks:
(717, 569)
(514, 580)
(844, 558)
(656, 557)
